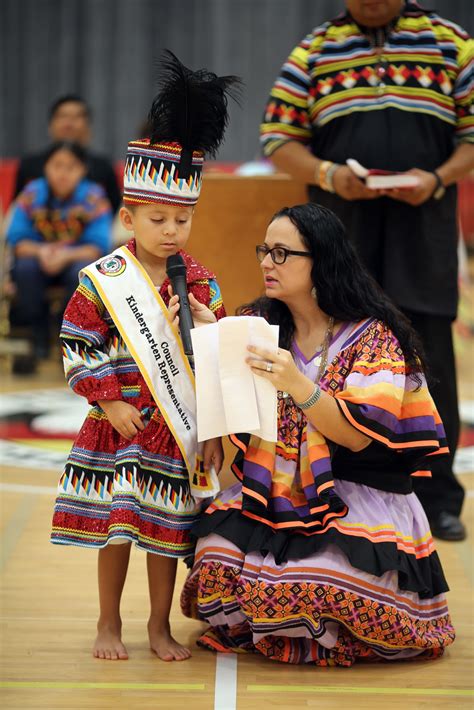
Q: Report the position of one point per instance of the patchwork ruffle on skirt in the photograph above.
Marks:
(113, 490)
(372, 587)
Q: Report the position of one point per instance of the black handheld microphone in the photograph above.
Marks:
(176, 271)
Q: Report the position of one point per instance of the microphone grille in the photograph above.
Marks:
(175, 264)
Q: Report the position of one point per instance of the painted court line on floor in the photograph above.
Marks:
(225, 694)
(59, 685)
(358, 690)
(61, 620)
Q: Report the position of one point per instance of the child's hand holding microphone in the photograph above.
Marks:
(201, 314)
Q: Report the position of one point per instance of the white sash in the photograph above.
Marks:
(142, 319)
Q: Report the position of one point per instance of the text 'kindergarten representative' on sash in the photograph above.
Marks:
(165, 362)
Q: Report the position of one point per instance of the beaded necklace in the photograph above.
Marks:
(323, 357)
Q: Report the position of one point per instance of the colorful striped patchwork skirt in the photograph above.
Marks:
(113, 490)
(371, 588)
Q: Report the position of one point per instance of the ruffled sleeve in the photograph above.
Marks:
(201, 283)
(382, 401)
(85, 336)
(207, 291)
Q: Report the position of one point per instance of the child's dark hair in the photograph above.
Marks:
(69, 99)
(47, 222)
(75, 148)
(345, 289)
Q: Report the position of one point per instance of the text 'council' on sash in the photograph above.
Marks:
(163, 358)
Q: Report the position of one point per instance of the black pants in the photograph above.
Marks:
(442, 492)
(30, 308)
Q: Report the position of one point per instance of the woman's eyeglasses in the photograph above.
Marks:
(278, 254)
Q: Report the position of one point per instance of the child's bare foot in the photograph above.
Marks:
(108, 644)
(164, 645)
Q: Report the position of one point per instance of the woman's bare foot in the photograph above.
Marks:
(164, 645)
(108, 644)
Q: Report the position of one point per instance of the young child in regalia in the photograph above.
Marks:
(135, 473)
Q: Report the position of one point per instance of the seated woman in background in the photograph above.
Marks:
(60, 223)
(321, 553)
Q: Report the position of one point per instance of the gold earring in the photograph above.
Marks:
(314, 293)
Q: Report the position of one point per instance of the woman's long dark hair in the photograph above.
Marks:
(345, 289)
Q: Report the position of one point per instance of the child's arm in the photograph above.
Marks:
(213, 454)
(85, 339)
(124, 417)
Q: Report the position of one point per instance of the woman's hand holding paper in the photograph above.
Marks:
(286, 377)
(279, 368)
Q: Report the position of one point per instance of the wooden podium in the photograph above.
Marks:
(230, 219)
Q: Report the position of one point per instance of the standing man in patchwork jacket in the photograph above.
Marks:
(390, 84)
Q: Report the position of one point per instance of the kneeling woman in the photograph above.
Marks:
(321, 553)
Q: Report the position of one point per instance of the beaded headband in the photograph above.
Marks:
(152, 174)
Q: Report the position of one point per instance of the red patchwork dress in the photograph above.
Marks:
(114, 489)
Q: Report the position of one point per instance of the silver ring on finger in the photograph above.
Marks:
(269, 367)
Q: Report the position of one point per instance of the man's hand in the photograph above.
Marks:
(415, 195)
(349, 187)
(124, 417)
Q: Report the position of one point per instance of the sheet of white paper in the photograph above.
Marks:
(230, 398)
(264, 335)
(237, 385)
(209, 402)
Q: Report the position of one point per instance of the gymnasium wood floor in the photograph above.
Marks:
(49, 607)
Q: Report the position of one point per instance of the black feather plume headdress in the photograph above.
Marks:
(191, 108)
(187, 121)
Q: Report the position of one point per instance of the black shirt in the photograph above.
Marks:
(394, 99)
